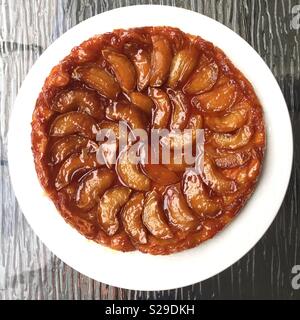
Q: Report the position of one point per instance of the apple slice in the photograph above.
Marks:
(233, 141)
(203, 79)
(197, 197)
(215, 179)
(142, 101)
(245, 174)
(74, 122)
(99, 79)
(123, 69)
(178, 212)
(126, 112)
(163, 108)
(65, 146)
(141, 59)
(77, 162)
(179, 140)
(231, 121)
(161, 60)
(109, 206)
(219, 99)
(132, 218)
(232, 160)
(154, 218)
(129, 173)
(180, 110)
(93, 186)
(182, 65)
(79, 100)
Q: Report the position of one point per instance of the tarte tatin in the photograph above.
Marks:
(151, 77)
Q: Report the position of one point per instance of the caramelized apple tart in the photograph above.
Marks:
(149, 78)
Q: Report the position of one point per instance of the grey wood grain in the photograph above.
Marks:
(28, 270)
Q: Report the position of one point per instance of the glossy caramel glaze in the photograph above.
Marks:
(152, 77)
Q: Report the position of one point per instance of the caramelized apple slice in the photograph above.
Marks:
(160, 174)
(195, 122)
(123, 69)
(92, 186)
(130, 174)
(232, 160)
(180, 110)
(65, 146)
(142, 101)
(108, 149)
(203, 79)
(219, 99)
(245, 174)
(182, 65)
(225, 159)
(79, 100)
(231, 121)
(215, 179)
(73, 122)
(161, 59)
(233, 141)
(109, 206)
(197, 197)
(142, 62)
(126, 112)
(98, 79)
(162, 111)
(132, 218)
(178, 212)
(112, 127)
(77, 162)
(107, 154)
(178, 141)
(153, 217)
(142, 67)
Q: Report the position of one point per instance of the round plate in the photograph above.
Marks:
(135, 270)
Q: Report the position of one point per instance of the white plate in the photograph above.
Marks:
(136, 270)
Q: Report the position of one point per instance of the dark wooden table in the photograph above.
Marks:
(28, 270)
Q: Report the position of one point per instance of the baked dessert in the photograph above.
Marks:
(151, 78)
